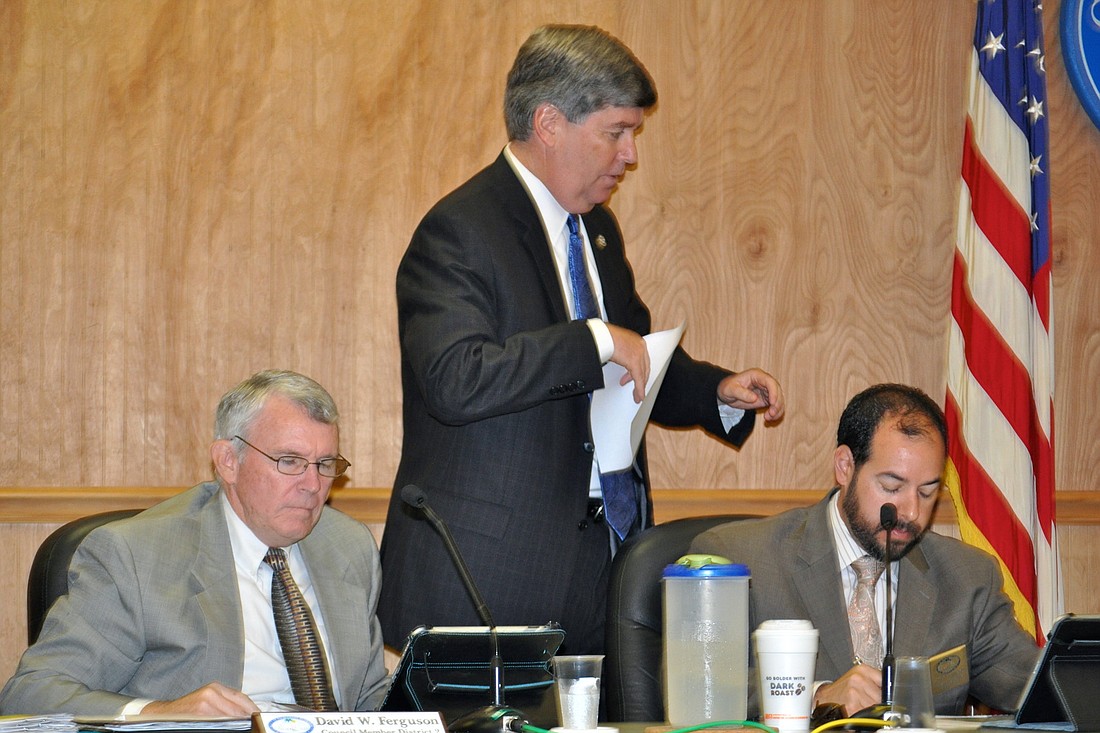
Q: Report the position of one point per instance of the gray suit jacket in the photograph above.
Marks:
(949, 593)
(153, 611)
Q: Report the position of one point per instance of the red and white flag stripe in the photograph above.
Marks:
(1000, 391)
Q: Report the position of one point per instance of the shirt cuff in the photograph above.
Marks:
(601, 334)
(730, 415)
(135, 706)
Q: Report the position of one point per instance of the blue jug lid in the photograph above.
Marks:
(705, 566)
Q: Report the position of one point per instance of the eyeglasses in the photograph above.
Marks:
(296, 465)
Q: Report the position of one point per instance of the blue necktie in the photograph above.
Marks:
(620, 499)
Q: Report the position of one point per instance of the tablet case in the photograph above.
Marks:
(1065, 685)
(446, 669)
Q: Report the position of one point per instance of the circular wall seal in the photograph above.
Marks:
(1081, 50)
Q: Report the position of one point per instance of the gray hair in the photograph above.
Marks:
(239, 407)
(579, 70)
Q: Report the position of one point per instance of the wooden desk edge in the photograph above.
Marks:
(59, 504)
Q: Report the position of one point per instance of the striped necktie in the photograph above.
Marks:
(620, 490)
(298, 636)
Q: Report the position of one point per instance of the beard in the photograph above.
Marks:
(864, 532)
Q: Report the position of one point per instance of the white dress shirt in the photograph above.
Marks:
(554, 223)
(265, 675)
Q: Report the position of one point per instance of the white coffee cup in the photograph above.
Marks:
(786, 655)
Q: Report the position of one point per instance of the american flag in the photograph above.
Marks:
(1000, 382)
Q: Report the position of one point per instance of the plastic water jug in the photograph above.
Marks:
(706, 644)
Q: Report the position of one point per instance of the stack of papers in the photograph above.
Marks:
(136, 723)
(37, 724)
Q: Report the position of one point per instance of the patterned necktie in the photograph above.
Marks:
(862, 618)
(620, 498)
(298, 636)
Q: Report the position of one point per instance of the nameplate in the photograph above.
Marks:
(347, 723)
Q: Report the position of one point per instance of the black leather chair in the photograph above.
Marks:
(632, 663)
(49, 576)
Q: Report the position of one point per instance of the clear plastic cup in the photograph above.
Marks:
(577, 686)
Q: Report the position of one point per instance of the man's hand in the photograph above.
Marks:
(753, 389)
(631, 354)
(859, 687)
(210, 699)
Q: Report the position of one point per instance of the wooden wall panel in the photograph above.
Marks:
(192, 190)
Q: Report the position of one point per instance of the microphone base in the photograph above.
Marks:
(489, 719)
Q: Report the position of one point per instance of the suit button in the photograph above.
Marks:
(582, 525)
(589, 447)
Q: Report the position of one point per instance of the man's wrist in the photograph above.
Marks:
(601, 334)
(818, 684)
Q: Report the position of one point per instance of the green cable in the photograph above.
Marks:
(872, 722)
(528, 728)
(726, 724)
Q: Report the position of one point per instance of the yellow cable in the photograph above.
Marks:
(873, 722)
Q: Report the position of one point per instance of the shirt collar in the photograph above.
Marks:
(552, 213)
(847, 549)
(248, 550)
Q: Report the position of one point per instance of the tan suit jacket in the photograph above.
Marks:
(153, 611)
(949, 593)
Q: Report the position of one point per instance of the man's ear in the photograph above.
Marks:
(843, 465)
(226, 461)
(546, 123)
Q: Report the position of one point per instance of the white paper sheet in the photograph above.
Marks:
(618, 423)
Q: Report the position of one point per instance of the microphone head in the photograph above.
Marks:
(888, 516)
(414, 496)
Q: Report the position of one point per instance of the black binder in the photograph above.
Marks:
(1065, 684)
(446, 669)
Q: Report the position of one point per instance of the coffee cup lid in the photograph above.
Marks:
(785, 624)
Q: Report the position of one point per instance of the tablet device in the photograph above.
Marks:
(1064, 689)
(446, 669)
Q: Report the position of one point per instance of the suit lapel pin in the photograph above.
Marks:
(601, 243)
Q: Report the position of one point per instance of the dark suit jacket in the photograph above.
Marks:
(495, 381)
(949, 593)
(153, 611)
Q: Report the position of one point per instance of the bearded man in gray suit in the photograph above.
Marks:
(170, 611)
(891, 448)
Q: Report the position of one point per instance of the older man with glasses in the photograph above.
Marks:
(240, 594)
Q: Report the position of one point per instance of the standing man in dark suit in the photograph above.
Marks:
(891, 447)
(498, 368)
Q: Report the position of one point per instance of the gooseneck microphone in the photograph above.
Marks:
(888, 518)
(414, 496)
(494, 717)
